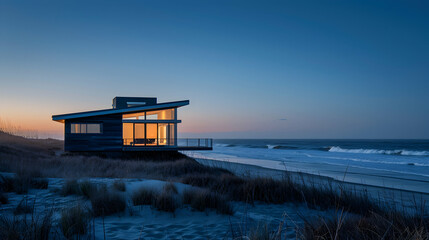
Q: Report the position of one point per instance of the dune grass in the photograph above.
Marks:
(82, 188)
(36, 227)
(393, 225)
(105, 203)
(166, 201)
(23, 207)
(75, 221)
(20, 184)
(202, 199)
(357, 215)
(119, 185)
(143, 196)
(3, 198)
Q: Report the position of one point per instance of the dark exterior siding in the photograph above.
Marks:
(110, 139)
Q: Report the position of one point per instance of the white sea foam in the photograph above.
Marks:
(271, 146)
(379, 151)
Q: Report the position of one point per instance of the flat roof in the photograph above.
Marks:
(62, 117)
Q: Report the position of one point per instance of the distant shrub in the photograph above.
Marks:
(202, 199)
(74, 221)
(143, 196)
(20, 183)
(86, 188)
(105, 203)
(73, 187)
(166, 201)
(39, 183)
(23, 207)
(170, 187)
(119, 185)
(70, 187)
(6, 184)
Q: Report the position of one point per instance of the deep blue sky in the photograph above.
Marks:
(251, 69)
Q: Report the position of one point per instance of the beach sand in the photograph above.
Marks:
(144, 222)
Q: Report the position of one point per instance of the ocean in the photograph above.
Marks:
(407, 159)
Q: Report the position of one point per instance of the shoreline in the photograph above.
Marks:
(385, 193)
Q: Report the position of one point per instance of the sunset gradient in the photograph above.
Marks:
(251, 69)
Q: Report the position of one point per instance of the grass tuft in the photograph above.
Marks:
(86, 189)
(3, 198)
(170, 187)
(166, 201)
(20, 184)
(74, 221)
(70, 187)
(202, 199)
(143, 196)
(106, 203)
(23, 207)
(73, 187)
(37, 227)
(119, 185)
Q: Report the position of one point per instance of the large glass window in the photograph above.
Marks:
(128, 133)
(163, 133)
(151, 134)
(134, 116)
(171, 132)
(139, 134)
(93, 128)
(166, 114)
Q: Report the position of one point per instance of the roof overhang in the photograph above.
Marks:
(62, 117)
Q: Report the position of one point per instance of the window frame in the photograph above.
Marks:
(86, 128)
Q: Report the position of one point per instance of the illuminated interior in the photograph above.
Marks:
(166, 114)
(143, 130)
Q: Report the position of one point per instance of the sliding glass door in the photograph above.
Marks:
(148, 134)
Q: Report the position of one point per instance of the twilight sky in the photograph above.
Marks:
(251, 69)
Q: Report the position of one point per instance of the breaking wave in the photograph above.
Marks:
(380, 151)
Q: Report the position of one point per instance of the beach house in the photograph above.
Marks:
(132, 124)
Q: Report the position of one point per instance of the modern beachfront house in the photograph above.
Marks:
(133, 124)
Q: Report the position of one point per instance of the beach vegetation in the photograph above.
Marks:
(202, 199)
(75, 221)
(119, 185)
(23, 207)
(166, 201)
(36, 227)
(105, 203)
(143, 196)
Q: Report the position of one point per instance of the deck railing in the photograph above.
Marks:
(168, 142)
(195, 142)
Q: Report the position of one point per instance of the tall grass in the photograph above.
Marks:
(36, 227)
(22, 183)
(143, 196)
(119, 185)
(388, 225)
(75, 221)
(23, 207)
(106, 203)
(166, 201)
(74, 187)
(202, 199)
(3, 198)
